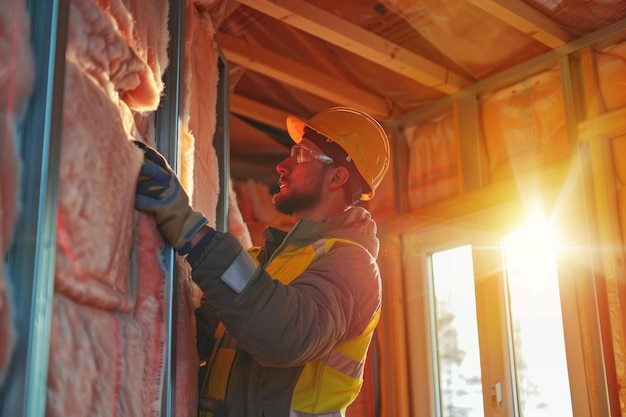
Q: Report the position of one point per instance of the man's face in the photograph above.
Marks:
(301, 179)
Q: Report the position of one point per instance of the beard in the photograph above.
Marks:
(296, 201)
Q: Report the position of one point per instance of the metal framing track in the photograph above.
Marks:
(31, 259)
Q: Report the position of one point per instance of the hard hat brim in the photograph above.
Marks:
(295, 128)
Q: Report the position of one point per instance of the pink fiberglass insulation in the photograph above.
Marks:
(433, 161)
(99, 166)
(611, 76)
(96, 362)
(98, 175)
(135, 344)
(16, 65)
(98, 48)
(150, 311)
(200, 109)
(235, 221)
(200, 164)
(16, 81)
(106, 353)
(9, 173)
(187, 362)
(140, 86)
(582, 16)
(199, 176)
(524, 125)
(98, 163)
(150, 39)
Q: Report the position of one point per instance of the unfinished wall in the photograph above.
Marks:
(108, 332)
(434, 160)
(108, 279)
(524, 126)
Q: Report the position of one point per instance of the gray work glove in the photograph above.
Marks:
(159, 192)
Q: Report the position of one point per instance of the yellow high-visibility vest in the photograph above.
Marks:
(327, 385)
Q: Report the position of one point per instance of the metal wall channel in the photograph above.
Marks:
(31, 258)
(221, 142)
(168, 141)
(168, 138)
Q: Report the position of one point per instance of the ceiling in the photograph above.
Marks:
(386, 57)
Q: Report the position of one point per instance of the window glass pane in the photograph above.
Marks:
(538, 343)
(458, 356)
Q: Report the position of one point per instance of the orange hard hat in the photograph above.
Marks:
(358, 134)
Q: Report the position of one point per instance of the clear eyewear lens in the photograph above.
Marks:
(303, 154)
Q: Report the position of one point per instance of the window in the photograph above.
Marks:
(495, 327)
(536, 326)
(456, 335)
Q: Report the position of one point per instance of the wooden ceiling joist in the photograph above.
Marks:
(526, 19)
(359, 41)
(257, 111)
(301, 76)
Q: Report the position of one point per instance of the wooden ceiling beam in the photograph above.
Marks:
(302, 77)
(359, 41)
(526, 19)
(257, 111)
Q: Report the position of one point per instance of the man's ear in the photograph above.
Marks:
(339, 177)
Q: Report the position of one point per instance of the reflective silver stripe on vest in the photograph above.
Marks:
(240, 272)
(294, 413)
(344, 364)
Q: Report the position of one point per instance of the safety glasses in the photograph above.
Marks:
(302, 153)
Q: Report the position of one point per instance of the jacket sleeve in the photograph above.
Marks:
(290, 325)
(206, 325)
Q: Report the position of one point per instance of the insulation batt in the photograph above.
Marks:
(433, 170)
(582, 16)
(476, 41)
(200, 98)
(94, 216)
(113, 74)
(138, 83)
(106, 353)
(200, 118)
(611, 62)
(96, 362)
(524, 126)
(16, 81)
(149, 312)
(199, 92)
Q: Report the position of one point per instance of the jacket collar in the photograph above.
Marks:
(355, 224)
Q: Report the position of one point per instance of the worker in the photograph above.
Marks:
(285, 328)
